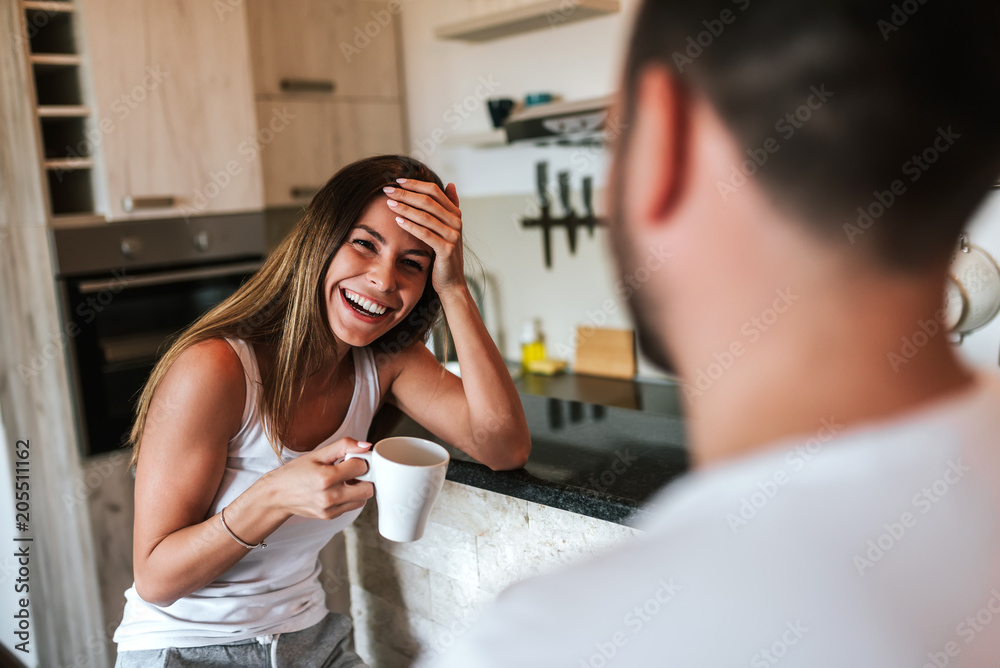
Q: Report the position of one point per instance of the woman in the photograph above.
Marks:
(243, 425)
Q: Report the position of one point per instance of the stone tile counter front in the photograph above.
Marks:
(600, 449)
(421, 596)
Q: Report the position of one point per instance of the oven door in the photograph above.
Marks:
(123, 323)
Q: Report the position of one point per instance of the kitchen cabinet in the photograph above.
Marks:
(299, 156)
(174, 98)
(341, 48)
(320, 138)
(369, 128)
(334, 66)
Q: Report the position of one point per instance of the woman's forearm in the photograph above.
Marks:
(190, 558)
(498, 431)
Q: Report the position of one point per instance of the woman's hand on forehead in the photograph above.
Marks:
(432, 215)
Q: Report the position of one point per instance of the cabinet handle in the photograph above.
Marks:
(130, 204)
(308, 85)
(302, 192)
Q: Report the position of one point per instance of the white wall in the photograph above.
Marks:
(577, 61)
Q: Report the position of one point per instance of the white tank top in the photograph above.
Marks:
(271, 590)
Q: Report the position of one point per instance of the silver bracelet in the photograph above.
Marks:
(230, 532)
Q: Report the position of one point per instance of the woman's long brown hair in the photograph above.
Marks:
(283, 305)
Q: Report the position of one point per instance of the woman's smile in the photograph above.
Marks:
(365, 306)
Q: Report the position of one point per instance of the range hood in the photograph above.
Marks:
(577, 122)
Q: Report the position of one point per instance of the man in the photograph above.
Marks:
(808, 167)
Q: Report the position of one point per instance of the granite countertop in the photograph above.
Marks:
(600, 447)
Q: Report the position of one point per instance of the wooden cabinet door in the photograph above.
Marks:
(319, 139)
(365, 32)
(349, 45)
(175, 107)
(289, 43)
(368, 128)
(302, 156)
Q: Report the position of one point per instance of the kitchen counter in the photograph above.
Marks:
(600, 447)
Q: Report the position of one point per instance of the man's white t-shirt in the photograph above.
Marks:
(871, 546)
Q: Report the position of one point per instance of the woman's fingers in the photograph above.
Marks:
(450, 233)
(323, 485)
(341, 492)
(432, 191)
(433, 201)
(334, 452)
(433, 216)
(349, 469)
(452, 192)
(427, 236)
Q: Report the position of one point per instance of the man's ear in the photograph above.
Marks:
(654, 162)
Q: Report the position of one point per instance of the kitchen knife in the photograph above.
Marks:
(569, 220)
(588, 206)
(542, 181)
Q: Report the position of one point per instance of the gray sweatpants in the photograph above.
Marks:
(324, 645)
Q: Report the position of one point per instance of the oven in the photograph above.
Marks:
(127, 290)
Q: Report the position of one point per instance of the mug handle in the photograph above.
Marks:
(367, 476)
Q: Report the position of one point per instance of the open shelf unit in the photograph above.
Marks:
(62, 114)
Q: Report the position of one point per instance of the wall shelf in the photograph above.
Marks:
(534, 16)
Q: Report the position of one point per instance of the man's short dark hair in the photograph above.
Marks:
(839, 108)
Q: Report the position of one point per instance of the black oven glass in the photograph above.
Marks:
(125, 323)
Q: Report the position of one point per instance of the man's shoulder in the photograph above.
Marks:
(842, 533)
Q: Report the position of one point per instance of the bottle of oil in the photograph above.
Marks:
(532, 342)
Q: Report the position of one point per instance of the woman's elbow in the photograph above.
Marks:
(153, 592)
(513, 457)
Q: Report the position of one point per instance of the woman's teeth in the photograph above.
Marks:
(365, 305)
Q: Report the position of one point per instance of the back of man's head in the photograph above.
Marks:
(878, 123)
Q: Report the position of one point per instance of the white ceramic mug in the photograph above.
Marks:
(408, 474)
